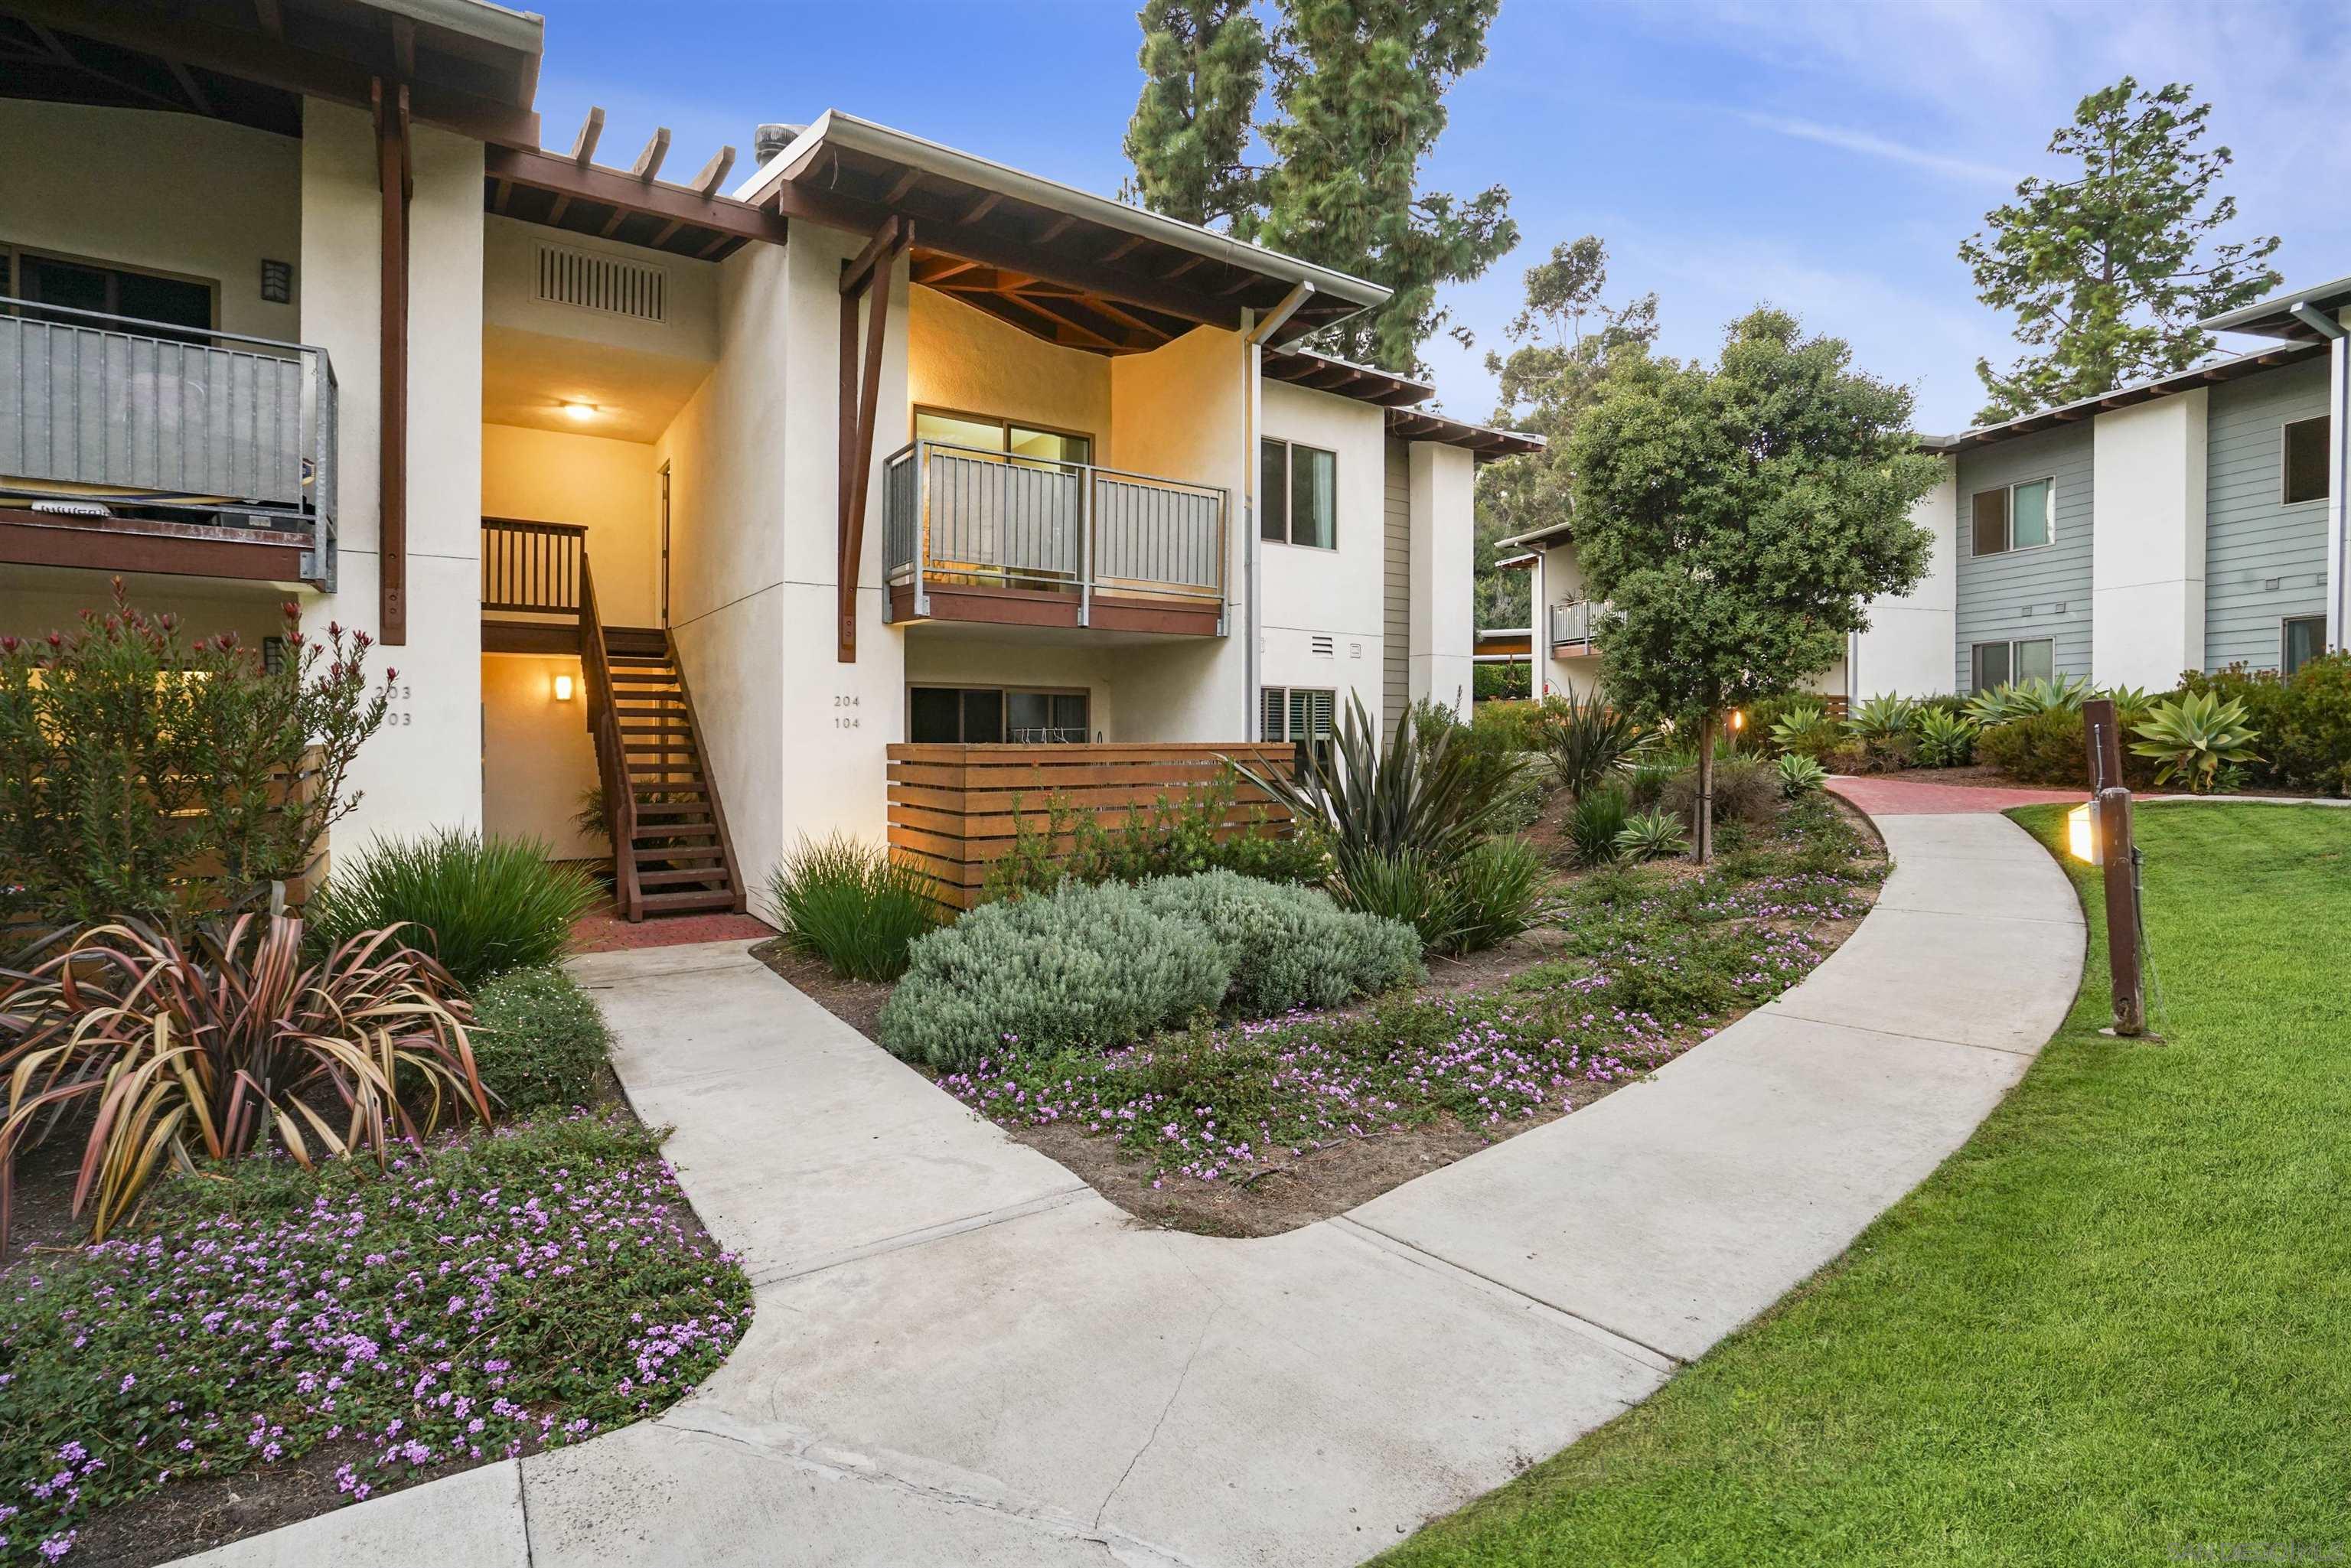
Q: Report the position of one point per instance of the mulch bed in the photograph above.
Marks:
(1285, 1191)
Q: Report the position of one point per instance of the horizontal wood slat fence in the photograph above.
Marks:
(953, 807)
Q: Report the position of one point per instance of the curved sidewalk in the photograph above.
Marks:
(963, 1354)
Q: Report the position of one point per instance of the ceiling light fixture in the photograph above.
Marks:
(581, 411)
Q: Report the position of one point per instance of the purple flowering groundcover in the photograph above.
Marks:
(520, 1289)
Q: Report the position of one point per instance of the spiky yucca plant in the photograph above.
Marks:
(222, 1048)
(1945, 739)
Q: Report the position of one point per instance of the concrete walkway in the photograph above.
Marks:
(962, 1354)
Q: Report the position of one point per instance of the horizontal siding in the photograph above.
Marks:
(2018, 595)
(1395, 602)
(2251, 538)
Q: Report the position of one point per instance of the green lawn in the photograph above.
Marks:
(2116, 1328)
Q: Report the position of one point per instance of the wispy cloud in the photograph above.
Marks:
(1863, 143)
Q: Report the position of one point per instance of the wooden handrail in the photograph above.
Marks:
(620, 800)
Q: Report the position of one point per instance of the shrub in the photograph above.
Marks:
(1494, 766)
(1081, 966)
(1287, 947)
(145, 777)
(1803, 727)
(2044, 746)
(1652, 776)
(1500, 892)
(1587, 741)
(1514, 726)
(853, 905)
(482, 906)
(1502, 682)
(1177, 834)
(2304, 723)
(1799, 775)
(1945, 739)
(2197, 737)
(1651, 835)
(215, 1048)
(539, 1041)
(1593, 826)
(1746, 790)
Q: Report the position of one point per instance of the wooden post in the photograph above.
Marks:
(394, 177)
(2102, 733)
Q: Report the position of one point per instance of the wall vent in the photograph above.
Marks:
(636, 289)
(1324, 647)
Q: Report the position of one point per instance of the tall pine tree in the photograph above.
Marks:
(1358, 102)
(2109, 270)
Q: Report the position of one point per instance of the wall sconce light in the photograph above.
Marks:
(2081, 834)
(563, 688)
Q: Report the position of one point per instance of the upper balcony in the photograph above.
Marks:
(1570, 626)
(973, 535)
(137, 446)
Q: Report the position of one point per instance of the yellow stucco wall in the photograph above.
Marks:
(963, 359)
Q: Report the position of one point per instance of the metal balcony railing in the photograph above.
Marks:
(110, 413)
(973, 517)
(1570, 624)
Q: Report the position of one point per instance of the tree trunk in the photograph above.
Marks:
(1703, 839)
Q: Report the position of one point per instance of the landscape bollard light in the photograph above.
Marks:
(2106, 821)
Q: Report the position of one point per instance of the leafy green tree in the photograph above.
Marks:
(2109, 270)
(1739, 518)
(1357, 103)
(1553, 371)
(1203, 72)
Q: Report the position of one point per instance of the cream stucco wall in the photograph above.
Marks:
(689, 327)
(941, 656)
(964, 360)
(164, 192)
(1334, 595)
(611, 487)
(1908, 648)
(1444, 481)
(541, 755)
(2147, 544)
(423, 771)
(37, 600)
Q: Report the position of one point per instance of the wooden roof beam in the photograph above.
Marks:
(583, 146)
(714, 173)
(609, 187)
(649, 162)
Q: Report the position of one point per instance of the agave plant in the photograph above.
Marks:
(220, 1051)
(1805, 728)
(1588, 741)
(1882, 718)
(2195, 737)
(1945, 739)
(1651, 835)
(2132, 705)
(1799, 775)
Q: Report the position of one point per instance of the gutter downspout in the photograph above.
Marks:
(1254, 334)
(2338, 465)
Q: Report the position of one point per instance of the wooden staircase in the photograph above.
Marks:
(670, 848)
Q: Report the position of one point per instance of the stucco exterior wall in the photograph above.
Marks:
(939, 658)
(2147, 573)
(163, 192)
(540, 754)
(1444, 525)
(689, 328)
(1335, 595)
(423, 771)
(1908, 648)
(964, 360)
(611, 487)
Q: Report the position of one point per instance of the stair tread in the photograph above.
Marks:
(678, 853)
(717, 875)
(717, 899)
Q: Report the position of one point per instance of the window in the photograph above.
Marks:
(2014, 517)
(1010, 438)
(1298, 494)
(1999, 664)
(111, 290)
(1297, 713)
(2304, 639)
(2303, 459)
(988, 715)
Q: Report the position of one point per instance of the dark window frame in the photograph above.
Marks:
(1975, 661)
(2324, 432)
(2287, 665)
(13, 257)
(1004, 695)
(2007, 492)
(1273, 498)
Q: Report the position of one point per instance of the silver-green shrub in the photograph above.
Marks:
(1285, 945)
(1079, 966)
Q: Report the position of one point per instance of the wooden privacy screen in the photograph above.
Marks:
(952, 807)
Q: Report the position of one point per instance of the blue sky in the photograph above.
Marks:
(1826, 157)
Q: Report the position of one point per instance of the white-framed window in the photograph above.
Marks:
(1297, 713)
(2301, 639)
(2016, 516)
(1298, 494)
(2301, 459)
(2024, 659)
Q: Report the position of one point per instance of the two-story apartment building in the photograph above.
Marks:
(2188, 522)
(699, 490)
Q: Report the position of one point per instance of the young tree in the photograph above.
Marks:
(1358, 102)
(1203, 71)
(2109, 270)
(1554, 373)
(1737, 520)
